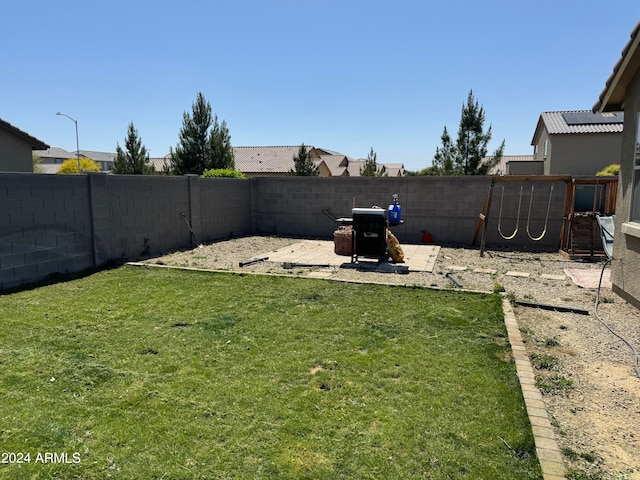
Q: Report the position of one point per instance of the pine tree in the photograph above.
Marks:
(135, 161)
(192, 154)
(466, 157)
(220, 146)
(304, 165)
(444, 159)
(370, 168)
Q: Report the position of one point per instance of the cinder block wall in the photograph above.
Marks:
(55, 224)
(446, 207)
(45, 227)
(52, 224)
(224, 208)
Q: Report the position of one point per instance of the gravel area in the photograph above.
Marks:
(586, 373)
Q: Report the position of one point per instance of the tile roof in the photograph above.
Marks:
(54, 152)
(35, 143)
(265, 159)
(159, 162)
(336, 164)
(97, 156)
(613, 95)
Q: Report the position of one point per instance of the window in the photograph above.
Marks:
(546, 148)
(635, 191)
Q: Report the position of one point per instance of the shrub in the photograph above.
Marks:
(71, 165)
(223, 173)
(610, 171)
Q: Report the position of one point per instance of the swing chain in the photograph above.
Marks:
(546, 220)
(509, 237)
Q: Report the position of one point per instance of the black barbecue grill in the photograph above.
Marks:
(369, 237)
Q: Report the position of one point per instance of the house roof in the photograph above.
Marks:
(335, 163)
(265, 159)
(35, 143)
(54, 152)
(394, 169)
(613, 95)
(159, 162)
(556, 123)
(501, 167)
(97, 156)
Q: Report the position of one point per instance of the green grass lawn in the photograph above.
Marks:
(155, 373)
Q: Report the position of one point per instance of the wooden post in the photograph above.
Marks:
(486, 223)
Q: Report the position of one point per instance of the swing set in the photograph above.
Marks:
(520, 179)
(585, 200)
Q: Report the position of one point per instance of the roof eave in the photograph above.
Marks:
(35, 143)
(611, 99)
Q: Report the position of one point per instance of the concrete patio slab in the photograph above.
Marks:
(417, 258)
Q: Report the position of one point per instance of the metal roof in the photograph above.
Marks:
(35, 143)
(555, 124)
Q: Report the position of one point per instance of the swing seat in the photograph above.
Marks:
(607, 230)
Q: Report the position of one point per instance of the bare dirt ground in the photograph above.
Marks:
(586, 374)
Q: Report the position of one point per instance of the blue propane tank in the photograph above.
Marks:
(394, 212)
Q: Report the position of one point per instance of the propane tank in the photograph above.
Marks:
(394, 212)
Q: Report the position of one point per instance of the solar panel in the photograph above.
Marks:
(588, 118)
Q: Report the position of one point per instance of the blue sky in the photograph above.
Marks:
(346, 75)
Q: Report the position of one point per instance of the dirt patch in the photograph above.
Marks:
(594, 394)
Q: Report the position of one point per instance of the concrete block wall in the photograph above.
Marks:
(52, 224)
(145, 216)
(224, 208)
(446, 207)
(45, 227)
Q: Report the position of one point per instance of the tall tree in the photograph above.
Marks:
(135, 160)
(445, 157)
(304, 166)
(466, 156)
(192, 154)
(370, 168)
(220, 146)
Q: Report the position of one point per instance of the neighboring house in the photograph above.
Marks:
(516, 165)
(622, 92)
(577, 142)
(52, 158)
(278, 161)
(16, 148)
(103, 159)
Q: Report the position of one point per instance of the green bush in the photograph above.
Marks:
(610, 171)
(223, 173)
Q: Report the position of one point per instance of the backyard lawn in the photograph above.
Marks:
(157, 373)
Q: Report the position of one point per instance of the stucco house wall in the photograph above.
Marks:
(625, 271)
(583, 154)
(16, 147)
(15, 153)
(622, 92)
(576, 149)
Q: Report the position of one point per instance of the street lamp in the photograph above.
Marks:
(77, 143)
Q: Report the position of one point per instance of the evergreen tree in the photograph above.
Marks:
(220, 146)
(370, 168)
(192, 154)
(465, 157)
(444, 159)
(304, 165)
(136, 159)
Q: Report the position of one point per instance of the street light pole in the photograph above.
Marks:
(77, 143)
